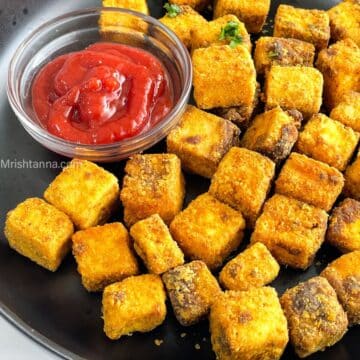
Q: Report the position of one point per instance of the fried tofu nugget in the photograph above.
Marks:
(292, 230)
(104, 255)
(87, 193)
(248, 325)
(201, 140)
(344, 226)
(310, 181)
(39, 232)
(134, 304)
(195, 4)
(309, 25)
(192, 289)
(340, 66)
(254, 267)
(153, 184)
(208, 230)
(352, 180)
(135, 5)
(243, 180)
(154, 244)
(315, 317)
(343, 275)
(284, 52)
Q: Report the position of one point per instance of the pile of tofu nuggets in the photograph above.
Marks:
(288, 173)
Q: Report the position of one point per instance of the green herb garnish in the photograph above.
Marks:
(172, 10)
(231, 33)
(273, 54)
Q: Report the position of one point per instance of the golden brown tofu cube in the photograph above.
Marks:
(195, 4)
(344, 226)
(248, 325)
(310, 181)
(104, 255)
(352, 180)
(134, 304)
(254, 267)
(284, 52)
(153, 184)
(343, 275)
(242, 181)
(154, 244)
(328, 140)
(348, 110)
(192, 289)
(252, 13)
(340, 66)
(309, 25)
(219, 73)
(201, 140)
(184, 23)
(87, 193)
(316, 319)
(210, 34)
(273, 133)
(345, 21)
(135, 5)
(208, 230)
(292, 230)
(294, 87)
(39, 232)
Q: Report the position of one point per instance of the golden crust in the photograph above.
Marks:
(208, 230)
(352, 180)
(153, 184)
(192, 289)
(242, 181)
(39, 232)
(154, 244)
(315, 317)
(310, 181)
(87, 193)
(254, 267)
(292, 230)
(248, 325)
(135, 5)
(134, 304)
(343, 275)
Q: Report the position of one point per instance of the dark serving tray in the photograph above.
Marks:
(54, 309)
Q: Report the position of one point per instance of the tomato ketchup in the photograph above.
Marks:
(105, 93)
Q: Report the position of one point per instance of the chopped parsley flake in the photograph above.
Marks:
(231, 33)
(172, 10)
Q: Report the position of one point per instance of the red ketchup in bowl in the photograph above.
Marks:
(103, 94)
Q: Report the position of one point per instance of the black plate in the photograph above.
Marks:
(54, 309)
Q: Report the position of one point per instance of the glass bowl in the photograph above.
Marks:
(75, 31)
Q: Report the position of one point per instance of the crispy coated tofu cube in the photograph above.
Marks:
(309, 180)
(343, 275)
(344, 226)
(345, 21)
(254, 267)
(209, 34)
(316, 319)
(292, 230)
(184, 23)
(219, 73)
(153, 184)
(273, 133)
(208, 230)
(135, 5)
(348, 110)
(104, 255)
(134, 304)
(252, 13)
(243, 180)
(87, 193)
(248, 325)
(309, 25)
(195, 4)
(201, 140)
(294, 87)
(192, 289)
(154, 244)
(284, 52)
(352, 180)
(340, 66)
(39, 232)
(328, 140)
